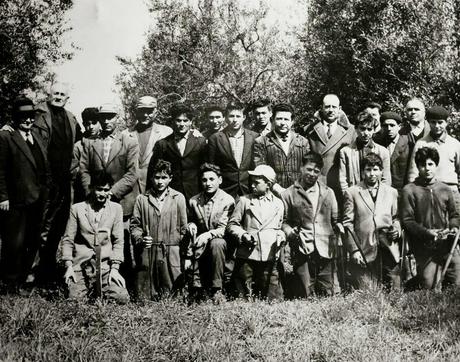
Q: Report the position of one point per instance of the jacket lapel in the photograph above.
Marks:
(366, 196)
(173, 146)
(115, 149)
(98, 147)
(321, 198)
(88, 216)
(247, 146)
(227, 147)
(190, 144)
(154, 137)
(154, 202)
(17, 138)
(335, 138)
(355, 166)
(319, 129)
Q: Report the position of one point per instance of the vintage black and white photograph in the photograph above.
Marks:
(229, 180)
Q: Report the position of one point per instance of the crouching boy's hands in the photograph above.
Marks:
(69, 275)
(115, 277)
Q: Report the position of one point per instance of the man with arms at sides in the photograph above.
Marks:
(351, 157)
(327, 136)
(215, 120)
(157, 228)
(183, 149)
(262, 113)
(428, 214)
(256, 226)
(24, 180)
(209, 214)
(397, 145)
(282, 149)
(92, 246)
(232, 150)
(90, 118)
(416, 127)
(448, 170)
(310, 224)
(372, 228)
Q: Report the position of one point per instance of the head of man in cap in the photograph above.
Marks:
(107, 115)
(283, 119)
(262, 180)
(391, 124)
(90, 118)
(437, 118)
(24, 112)
(59, 95)
(146, 111)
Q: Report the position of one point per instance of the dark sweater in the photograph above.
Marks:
(427, 206)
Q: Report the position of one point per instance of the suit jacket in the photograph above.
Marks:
(268, 151)
(329, 149)
(43, 128)
(82, 235)
(223, 207)
(298, 212)
(266, 231)
(350, 168)
(20, 180)
(399, 160)
(368, 220)
(121, 165)
(412, 140)
(158, 132)
(235, 180)
(185, 167)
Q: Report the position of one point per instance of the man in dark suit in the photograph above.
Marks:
(398, 146)
(327, 136)
(282, 148)
(416, 126)
(184, 149)
(232, 150)
(215, 120)
(24, 176)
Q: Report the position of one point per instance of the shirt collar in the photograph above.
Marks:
(212, 199)
(327, 124)
(375, 187)
(267, 197)
(238, 134)
(185, 137)
(24, 134)
(441, 139)
(288, 137)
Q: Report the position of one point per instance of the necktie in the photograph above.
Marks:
(329, 132)
(29, 139)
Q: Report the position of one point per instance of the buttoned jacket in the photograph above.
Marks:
(268, 151)
(370, 220)
(350, 168)
(223, 206)
(235, 179)
(82, 235)
(298, 212)
(265, 230)
(121, 165)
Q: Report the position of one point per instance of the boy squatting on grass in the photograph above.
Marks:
(92, 246)
(429, 215)
(157, 228)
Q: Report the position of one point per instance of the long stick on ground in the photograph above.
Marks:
(449, 259)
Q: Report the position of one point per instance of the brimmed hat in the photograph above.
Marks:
(147, 102)
(264, 171)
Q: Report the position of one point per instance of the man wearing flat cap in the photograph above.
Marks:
(448, 170)
(282, 148)
(256, 225)
(24, 180)
(398, 146)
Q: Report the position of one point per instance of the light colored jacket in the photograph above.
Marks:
(82, 235)
(266, 231)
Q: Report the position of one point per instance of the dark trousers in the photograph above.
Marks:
(429, 270)
(20, 233)
(257, 279)
(55, 221)
(315, 275)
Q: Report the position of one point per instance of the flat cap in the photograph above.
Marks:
(147, 102)
(108, 108)
(390, 115)
(264, 171)
(437, 112)
(283, 107)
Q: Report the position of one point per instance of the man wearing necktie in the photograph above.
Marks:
(282, 148)
(24, 179)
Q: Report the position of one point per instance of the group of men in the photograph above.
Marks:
(244, 207)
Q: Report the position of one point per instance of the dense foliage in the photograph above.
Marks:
(30, 41)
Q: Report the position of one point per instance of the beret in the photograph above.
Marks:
(437, 112)
(390, 115)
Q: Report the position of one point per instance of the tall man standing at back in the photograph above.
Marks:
(282, 148)
(416, 126)
(327, 136)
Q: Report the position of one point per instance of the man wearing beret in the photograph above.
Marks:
(24, 180)
(448, 170)
(398, 146)
(282, 148)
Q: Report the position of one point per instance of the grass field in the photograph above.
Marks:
(359, 327)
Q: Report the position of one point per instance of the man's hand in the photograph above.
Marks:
(338, 228)
(192, 229)
(454, 230)
(246, 238)
(278, 189)
(392, 234)
(114, 276)
(433, 233)
(7, 127)
(358, 258)
(202, 239)
(147, 242)
(69, 275)
(5, 205)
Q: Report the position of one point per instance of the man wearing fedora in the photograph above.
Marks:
(24, 179)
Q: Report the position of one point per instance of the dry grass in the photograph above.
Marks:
(359, 327)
